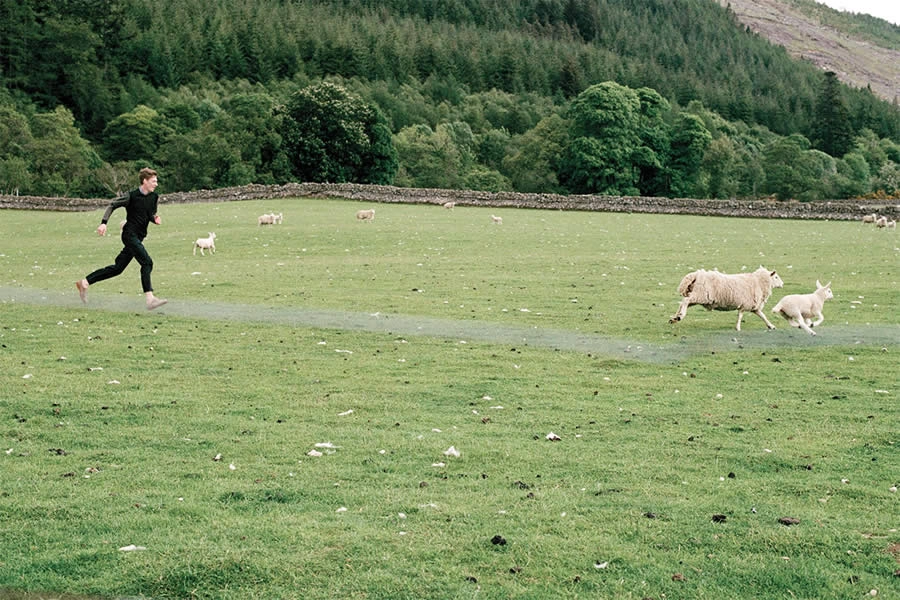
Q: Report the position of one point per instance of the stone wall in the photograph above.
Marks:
(835, 210)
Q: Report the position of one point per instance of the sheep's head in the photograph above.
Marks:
(776, 280)
(827, 289)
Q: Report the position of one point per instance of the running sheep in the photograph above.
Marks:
(208, 243)
(744, 292)
(366, 215)
(799, 309)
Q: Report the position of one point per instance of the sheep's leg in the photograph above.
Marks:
(760, 314)
(195, 249)
(201, 251)
(682, 311)
(740, 318)
(819, 320)
(805, 327)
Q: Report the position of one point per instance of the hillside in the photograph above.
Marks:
(817, 34)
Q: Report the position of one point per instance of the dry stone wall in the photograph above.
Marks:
(836, 210)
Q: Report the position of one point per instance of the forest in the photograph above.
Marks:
(627, 97)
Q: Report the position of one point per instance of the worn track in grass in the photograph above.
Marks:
(880, 336)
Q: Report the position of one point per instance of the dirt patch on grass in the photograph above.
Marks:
(684, 344)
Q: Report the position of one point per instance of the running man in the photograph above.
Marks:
(140, 210)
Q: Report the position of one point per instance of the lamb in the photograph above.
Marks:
(744, 292)
(799, 309)
(497, 220)
(279, 218)
(892, 224)
(449, 205)
(869, 218)
(366, 215)
(208, 243)
(266, 219)
(881, 222)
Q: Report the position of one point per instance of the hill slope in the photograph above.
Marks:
(815, 33)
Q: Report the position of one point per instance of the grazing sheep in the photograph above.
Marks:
(366, 215)
(744, 292)
(892, 224)
(266, 219)
(869, 218)
(449, 205)
(497, 220)
(881, 222)
(799, 309)
(208, 243)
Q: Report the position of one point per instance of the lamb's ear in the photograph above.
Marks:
(818, 285)
(828, 285)
(773, 273)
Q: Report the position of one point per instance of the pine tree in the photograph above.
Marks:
(832, 132)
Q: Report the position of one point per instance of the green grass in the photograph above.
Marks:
(425, 323)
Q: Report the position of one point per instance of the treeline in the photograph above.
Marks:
(483, 94)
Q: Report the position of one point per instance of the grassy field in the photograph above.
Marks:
(191, 433)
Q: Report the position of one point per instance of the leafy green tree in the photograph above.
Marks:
(653, 154)
(605, 135)
(61, 159)
(135, 135)
(14, 176)
(533, 165)
(330, 135)
(853, 176)
(788, 172)
(690, 139)
(487, 180)
(832, 130)
(428, 159)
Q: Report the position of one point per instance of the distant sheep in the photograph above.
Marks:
(497, 220)
(449, 205)
(799, 309)
(881, 222)
(892, 224)
(366, 215)
(869, 218)
(744, 292)
(270, 219)
(208, 243)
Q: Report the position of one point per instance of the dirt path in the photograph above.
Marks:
(411, 325)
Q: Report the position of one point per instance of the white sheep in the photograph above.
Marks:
(744, 292)
(449, 205)
(869, 218)
(881, 222)
(266, 219)
(366, 215)
(892, 224)
(208, 243)
(799, 309)
(278, 219)
(497, 220)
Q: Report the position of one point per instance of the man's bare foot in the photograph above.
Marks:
(82, 286)
(155, 303)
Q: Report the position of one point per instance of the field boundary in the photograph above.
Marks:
(835, 210)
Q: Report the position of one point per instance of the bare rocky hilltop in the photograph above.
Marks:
(857, 61)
